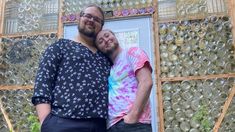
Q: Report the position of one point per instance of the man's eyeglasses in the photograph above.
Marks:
(95, 18)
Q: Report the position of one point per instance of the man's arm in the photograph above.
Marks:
(43, 110)
(145, 83)
(45, 80)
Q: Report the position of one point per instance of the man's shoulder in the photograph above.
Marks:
(62, 43)
(133, 48)
(134, 51)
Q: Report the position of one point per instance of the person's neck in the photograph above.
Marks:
(114, 55)
(87, 41)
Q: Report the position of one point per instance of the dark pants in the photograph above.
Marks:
(121, 126)
(54, 123)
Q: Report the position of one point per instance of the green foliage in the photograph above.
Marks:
(34, 123)
(202, 116)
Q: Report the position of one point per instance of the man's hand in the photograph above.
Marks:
(43, 110)
(130, 118)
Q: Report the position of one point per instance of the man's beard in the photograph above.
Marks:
(87, 33)
(111, 50)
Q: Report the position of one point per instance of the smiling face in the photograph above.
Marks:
(106, 42)
(90, 22)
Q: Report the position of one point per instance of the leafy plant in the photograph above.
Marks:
(202, 117)
(34, 123)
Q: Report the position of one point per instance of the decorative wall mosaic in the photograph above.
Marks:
(228, 124)
(17, 105)
(75, 6)
(30, 16)
(3, 125)
(21, 58)
(191, 7)
(112, 8)
(116, 13)
(184, 9)
(196, 47)
(196, 105)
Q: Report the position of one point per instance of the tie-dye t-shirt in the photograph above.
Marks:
(123, 85)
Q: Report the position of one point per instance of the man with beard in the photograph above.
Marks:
(71, 86)
(130, 84)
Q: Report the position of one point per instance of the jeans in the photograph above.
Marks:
(121, 126)
(54, 123)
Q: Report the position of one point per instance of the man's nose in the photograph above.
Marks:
(106, 40)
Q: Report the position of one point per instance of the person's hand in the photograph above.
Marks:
(41, 121)
(43, 110)
(130, 118)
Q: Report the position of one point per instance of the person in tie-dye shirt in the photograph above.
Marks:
(130, 84)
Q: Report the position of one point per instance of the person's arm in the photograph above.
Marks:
(145, 83)
(45, 80)
(43, 110)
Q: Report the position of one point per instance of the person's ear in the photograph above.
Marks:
(78, 21)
